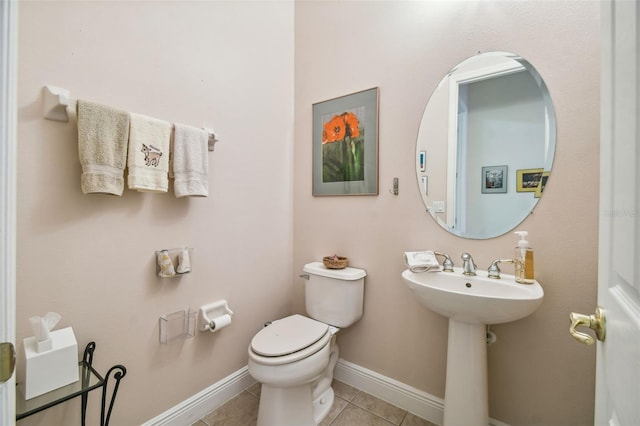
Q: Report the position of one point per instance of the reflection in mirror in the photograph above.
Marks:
(486, 145)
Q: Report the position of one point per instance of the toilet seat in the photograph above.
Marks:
(289, 339)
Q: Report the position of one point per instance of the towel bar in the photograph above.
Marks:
(57, 102)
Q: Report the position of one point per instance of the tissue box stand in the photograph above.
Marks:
(53, 368)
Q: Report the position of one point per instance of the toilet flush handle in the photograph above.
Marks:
(305, 276)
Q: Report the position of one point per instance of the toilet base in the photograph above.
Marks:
(322, 405)
(285, 406)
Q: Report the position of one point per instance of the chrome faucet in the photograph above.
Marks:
(494, 269)
(447, 264)
(468, 266)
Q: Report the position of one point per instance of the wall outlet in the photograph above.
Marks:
(438, 206)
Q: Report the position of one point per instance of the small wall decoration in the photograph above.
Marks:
(345, 145)
(542, 183)
(494, 179)
(527, 180)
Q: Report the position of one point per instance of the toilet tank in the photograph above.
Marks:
(334, 296)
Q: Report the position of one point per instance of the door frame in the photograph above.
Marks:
(8, 190)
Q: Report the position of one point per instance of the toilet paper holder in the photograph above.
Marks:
(215, 315)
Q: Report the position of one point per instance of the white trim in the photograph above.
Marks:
(415, 401)
(408, 398)
(8, 189)
(204, 402)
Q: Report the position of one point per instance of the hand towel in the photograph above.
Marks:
(190, 161)
(103, 134)
(148, 162)
(422, 261)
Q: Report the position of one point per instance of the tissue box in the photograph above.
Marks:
(53, 368)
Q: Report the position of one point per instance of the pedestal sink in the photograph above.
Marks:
(471, 303)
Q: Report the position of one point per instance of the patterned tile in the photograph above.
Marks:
(240, 411)
(343, 390)
(413, 420)
(351, 407)
(338, 405)
(255, 389)
(379, 407)
(354, 416)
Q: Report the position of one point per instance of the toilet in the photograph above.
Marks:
(294, 357)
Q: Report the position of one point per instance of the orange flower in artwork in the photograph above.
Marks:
(339, 127)
(334, 130)
(351, 121)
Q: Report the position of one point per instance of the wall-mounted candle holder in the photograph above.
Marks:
(173, 262)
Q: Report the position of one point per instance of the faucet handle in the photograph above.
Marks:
(447, 264)
(494, 270)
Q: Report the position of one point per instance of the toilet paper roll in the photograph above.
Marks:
(219, 322)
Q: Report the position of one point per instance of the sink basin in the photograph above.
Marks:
(474, 299)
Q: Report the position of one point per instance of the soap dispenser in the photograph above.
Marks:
(524, 259)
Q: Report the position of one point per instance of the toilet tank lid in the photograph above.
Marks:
(348, 273)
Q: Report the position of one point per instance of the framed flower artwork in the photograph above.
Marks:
(345, 145)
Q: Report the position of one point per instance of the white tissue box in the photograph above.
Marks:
(53, 368)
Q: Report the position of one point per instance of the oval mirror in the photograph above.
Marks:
(486, 145)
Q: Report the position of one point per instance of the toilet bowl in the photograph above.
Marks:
(291, 358)
(294, 357)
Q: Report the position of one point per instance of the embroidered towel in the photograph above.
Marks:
(103, 133)
(190, 161)
(422, 261)
(148, 161)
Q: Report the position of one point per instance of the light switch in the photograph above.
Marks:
(438, 206)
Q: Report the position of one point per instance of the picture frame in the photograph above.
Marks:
(494, 179)
(527, 180)
(345, 145)
(542, 184)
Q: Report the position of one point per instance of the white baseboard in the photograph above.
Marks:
(408, 398)
(415, 401)
(204, 402)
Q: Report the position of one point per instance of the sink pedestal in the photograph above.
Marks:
(471, 302)
(466, 399)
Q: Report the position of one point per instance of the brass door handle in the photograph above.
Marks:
(7, 361)
(596, 322)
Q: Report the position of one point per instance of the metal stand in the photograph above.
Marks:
(90, 379)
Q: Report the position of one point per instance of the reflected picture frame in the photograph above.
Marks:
(527, 180)
(494, 179)
(542, 184)
(345, 145)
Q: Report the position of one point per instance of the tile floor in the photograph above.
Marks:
(350, 408)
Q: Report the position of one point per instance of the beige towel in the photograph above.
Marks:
(103, 133)
(149, 154)
(190, 161)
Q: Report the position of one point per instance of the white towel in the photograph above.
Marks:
(149, 141)
(422, 261)
(103, 134)
(190, 161)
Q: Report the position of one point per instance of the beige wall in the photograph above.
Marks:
(228, 65)
(538, 375)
